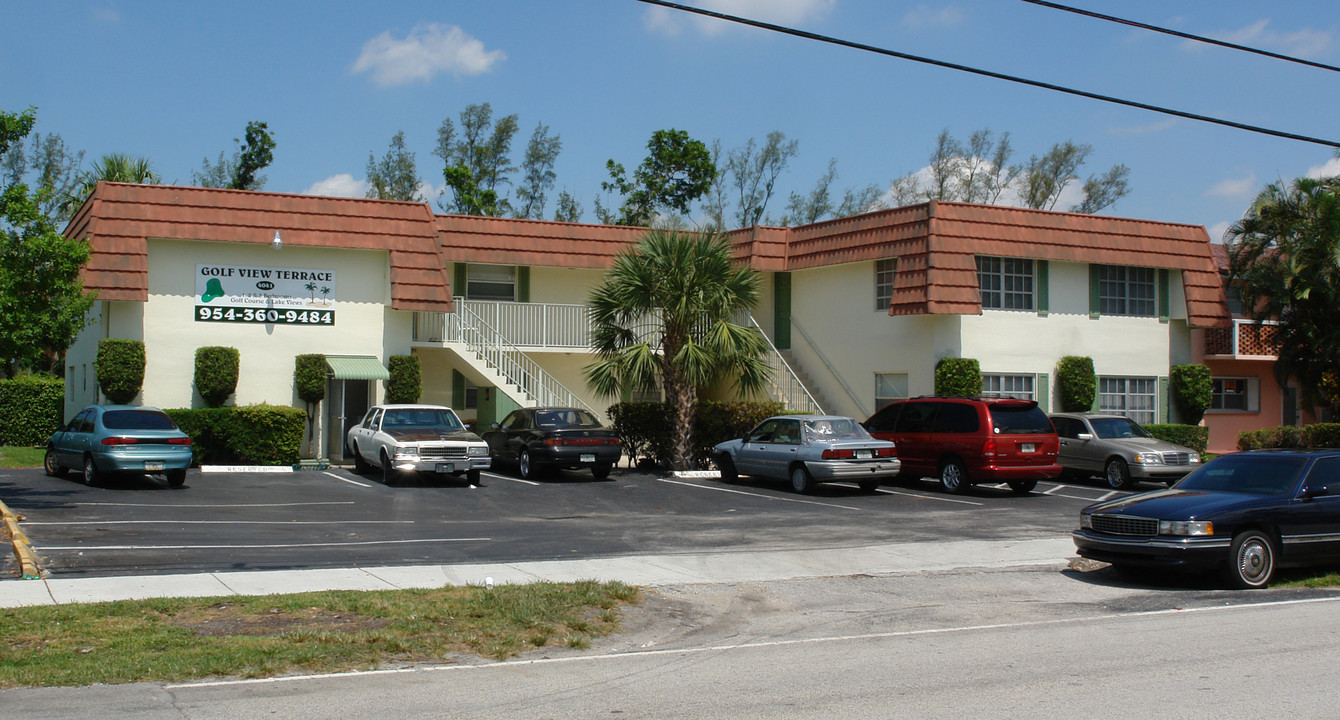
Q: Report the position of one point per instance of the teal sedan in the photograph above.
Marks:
(105, 439)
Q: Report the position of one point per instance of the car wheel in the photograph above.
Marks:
(1118, 474)
(472, 477)
(52, 465)
(361, 466)
(801, 480)
(1252, 560)
(953, 476)
(727, 468)
(176, 478)
(91, 474)
(869, 485)
(601, 470)
(388, 472)
(1023, 487)
(525, 466)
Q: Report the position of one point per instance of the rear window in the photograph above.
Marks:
(137, 420)
(1020, 420)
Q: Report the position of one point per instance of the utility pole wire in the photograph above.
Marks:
(988, 73)
(1187, 36)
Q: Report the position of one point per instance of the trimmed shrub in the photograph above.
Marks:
(644, 428)
(1192, 391)
(958, 377)
(309, 381)
(120, 368)
(1320, 435)
(405, 384)
(31, 409)
(1193, 436)
(216, 374)
(1076, 383)
(247, 435)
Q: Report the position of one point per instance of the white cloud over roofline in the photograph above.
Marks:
(779, 12)
(341, 185)
(1244, 188)
(425, 52)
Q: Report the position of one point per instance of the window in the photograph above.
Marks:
(490, 282)
(1126, 290)
(1068, 427)
(1231, 394)
(889, 387)
(884, 273)
(956, 418)
(1005, 283)
(1136, 398)
(471, 396)
(1011, 386)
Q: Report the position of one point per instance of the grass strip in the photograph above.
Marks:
(178, 639)
(20, 457)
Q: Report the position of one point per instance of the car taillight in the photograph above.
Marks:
(585, 442)
(119, 441)
(839, 454)
(989, 448)
(179, 441)
(886, 452)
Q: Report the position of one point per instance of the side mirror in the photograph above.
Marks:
(1084, 436)
(495, 426)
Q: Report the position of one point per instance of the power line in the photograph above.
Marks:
(1187, 36)
(988, 73)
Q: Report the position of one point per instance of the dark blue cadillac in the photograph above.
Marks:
(1245, 513)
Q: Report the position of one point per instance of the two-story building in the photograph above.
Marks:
(858, 309)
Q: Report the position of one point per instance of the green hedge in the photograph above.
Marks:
(405, 384)
(31, 408)
(120, 367)
(1192, 391)
(216, 374)
(958, 377)
(644, 428)
(1320, 435)
(1076, 383)
(247, 435)
(1193, 436)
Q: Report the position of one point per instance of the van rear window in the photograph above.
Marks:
(1016, 420)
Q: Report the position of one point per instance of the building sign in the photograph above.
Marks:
(282, 296)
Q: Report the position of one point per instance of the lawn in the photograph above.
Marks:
(20, 457)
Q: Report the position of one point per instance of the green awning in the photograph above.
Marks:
(356, 367)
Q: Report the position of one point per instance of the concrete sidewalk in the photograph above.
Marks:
(646, 570)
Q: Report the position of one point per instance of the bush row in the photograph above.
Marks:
(247, 435)
(1193, 436)
(30, 410)
(1320, 435)
(645, 428)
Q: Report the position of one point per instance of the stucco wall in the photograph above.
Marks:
(560, 285)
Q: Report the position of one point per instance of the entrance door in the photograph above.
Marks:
(1289, 403)
(348, 402)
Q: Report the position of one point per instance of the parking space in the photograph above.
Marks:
(336, 518)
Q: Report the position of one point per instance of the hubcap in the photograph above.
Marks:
(1253, 562)
(1115, 477)
(951, 476)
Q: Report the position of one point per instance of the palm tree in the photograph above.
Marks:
(112, 167)
(664, 315)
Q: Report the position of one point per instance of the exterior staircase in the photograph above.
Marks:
(803, 378)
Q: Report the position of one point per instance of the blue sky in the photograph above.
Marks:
(177, 81)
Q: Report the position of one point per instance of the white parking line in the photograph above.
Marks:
(758, 495)
(504, 477)
(221, 522)
(919, 496)
(345, 479)
(213, 505)
(82, 548)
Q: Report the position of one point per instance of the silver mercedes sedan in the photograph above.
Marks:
(1117, 448)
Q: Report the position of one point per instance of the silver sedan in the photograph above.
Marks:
(1120, 450)
(809, 449)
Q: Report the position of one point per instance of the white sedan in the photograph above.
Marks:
(416, 438)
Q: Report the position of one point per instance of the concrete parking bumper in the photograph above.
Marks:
(23, 550)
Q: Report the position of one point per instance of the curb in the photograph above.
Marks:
(23, 550)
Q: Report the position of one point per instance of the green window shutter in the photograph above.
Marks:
(458, 284)
(1043, 291)
(781, 310)
(1095, 287)
(522, 283)
(1043, 385)
(1097, 393)
(457, 388)
(1163, 400)
(1163, 296)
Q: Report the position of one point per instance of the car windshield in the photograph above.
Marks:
(554, 419)
(1020, 420)
(1111, 428)
(137, 420)
(1251, 474)
(421, 419)
(826, 429)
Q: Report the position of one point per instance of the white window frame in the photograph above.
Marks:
(885, 272)
(889, 387)
(1010, 385)
(1134, 397)
(1007, 283)
(1127, 290)
(485, 277)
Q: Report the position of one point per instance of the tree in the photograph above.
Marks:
(677, 171)
(664, 315)
(806, 209)
(1285, 255)
(537, 173)
(749, 173)
(42, 301)
(1046, 176)
(112, 167)
(477, 161)
(568, 210)
(50, 169)
(394, 177)
(240, 172)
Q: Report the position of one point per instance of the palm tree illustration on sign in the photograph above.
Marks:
(325, 294)
(311, 288)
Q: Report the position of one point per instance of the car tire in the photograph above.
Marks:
(869, 485)
(91, 474)
(801, 480)
(953, 476)
(176, 478)
(52, 465)
(472, 477)
(600, 471)
(388, 472)
(727, 467)
(1117, 474)
(361, 466)
(1251, 561)
(1023, 487)
(525, 466)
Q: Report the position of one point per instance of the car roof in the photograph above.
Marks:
(812, 417)
(415, 406)
(1305, 452)
(105, 408)
(1091, 416)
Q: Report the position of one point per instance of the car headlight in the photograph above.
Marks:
(1186, 527)
(406, 452)
(477, 450)
(1086, 521)
(1193, 457)
(1148, 458)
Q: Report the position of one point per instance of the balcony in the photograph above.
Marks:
(1246, 340)
(531, 326)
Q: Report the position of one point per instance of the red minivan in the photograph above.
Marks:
(965, 441)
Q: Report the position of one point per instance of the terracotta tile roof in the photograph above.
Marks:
(118, 219)
(504, 241)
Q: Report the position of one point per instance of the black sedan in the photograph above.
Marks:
(1245, 513)
(538, 439)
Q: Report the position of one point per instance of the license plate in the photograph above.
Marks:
(445, 468)
(1028, 447)
(864, 454)
(151, 466)
(588, 457)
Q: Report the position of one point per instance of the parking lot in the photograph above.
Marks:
(335, 518)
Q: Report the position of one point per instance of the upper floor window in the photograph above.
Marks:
(490, 282)
(884, 273)
(1005, 283)
(1011, 386)
(1126, 290)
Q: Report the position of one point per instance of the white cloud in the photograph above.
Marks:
(1149, 129)
(925, 17)
(1244, 188)
(1217, 230)
(779, 12)
(1071, 195)
(342, 185)
(426, 51)
(1330, 168)
(1305, 43)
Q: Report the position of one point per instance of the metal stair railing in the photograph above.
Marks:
(786, 384)
(831, 370)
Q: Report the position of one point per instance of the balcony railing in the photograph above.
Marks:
(1247, 338)
(535, 325)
